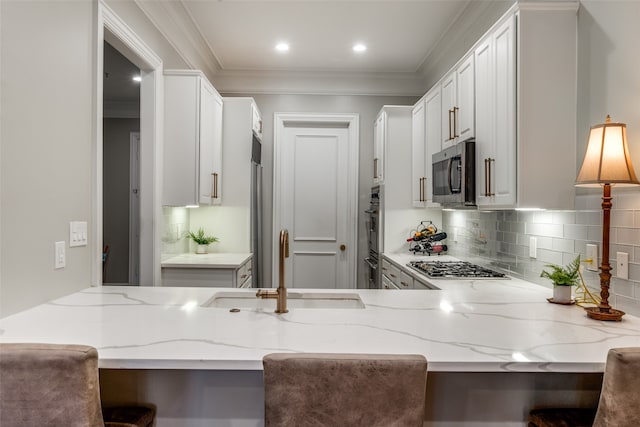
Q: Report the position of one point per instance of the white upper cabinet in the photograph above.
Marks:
(495, 68)
(256, 121)
(379, 144)
(192, 140)
(525, 110)
(426, 140)
(457, 109)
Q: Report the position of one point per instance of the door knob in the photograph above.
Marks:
(343, 247)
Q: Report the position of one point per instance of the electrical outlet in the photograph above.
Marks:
(622, 265)
(592, 254)
(60, 259)
(533, 247)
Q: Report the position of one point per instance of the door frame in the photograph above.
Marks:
(111, 28)
(352, 122)
(134, 208)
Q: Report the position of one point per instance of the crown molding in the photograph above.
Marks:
(175, 23)
(319, 83)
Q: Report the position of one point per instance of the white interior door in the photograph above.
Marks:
(316, 204)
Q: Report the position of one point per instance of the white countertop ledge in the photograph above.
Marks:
(213, 260)
(467, 326)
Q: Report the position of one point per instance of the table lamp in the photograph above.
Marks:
(606, 162)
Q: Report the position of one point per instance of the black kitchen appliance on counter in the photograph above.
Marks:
(454, 270)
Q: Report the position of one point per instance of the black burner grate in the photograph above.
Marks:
(454, 270)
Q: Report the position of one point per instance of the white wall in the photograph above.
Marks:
(47, 67)
(46, 147)
(366, 106)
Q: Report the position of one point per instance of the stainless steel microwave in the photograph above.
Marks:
(454, 172)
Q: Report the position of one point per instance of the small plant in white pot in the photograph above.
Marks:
(201, 240)
(563, 278)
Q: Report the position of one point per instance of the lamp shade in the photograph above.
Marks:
(607, 159)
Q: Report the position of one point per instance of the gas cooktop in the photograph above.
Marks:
(455, 270)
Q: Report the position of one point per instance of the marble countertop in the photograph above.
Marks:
(467, 326)
(214, 260)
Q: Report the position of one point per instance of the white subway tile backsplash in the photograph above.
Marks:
(543, 217)
(589, 218)
(563, 217)
(626, 198)
(622, 287)
(634, 272)
(594, 232)
(563, 245)
(628, 236)
(575, 231)
(621, 218)
(548, 230)
(551, 257)
(502, 238)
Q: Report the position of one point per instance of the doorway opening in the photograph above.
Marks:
(118, 35)
(121, 169)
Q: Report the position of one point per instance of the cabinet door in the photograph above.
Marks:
(181, 148)
(433, 137)
(207, 140)
(485, 118)
(448, 109)
(217, 149)
(378, 148)
(503, 168)
(464, 113)
(418, 157)
(256, 121)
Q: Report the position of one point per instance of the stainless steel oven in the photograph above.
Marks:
(373, 239)
(454, 172)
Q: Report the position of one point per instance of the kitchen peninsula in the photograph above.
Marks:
(482, 338)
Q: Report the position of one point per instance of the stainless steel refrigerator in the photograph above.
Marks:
(256, 211)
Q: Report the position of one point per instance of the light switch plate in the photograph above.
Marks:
(77, 233)
(622, 265)
(592, 254)
(59, 255)
(533, 247)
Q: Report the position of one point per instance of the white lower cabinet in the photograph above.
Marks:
(212, 277)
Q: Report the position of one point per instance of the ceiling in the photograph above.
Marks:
(233, 41)
(118, 84)
(399, 34)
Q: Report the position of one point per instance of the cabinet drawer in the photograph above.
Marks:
(198, 277)
(405, 281)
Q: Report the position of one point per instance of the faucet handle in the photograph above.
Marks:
(284, 240)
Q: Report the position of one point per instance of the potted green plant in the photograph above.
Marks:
(201, 240)
(563, 279)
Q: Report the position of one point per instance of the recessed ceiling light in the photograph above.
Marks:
(137, 79)
(282, 47)
(359, 47)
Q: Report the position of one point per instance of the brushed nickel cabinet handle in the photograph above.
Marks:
(486, 179)
(450, 137)
(375, 168)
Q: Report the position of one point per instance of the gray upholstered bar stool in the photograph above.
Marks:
(58, 385)
(316, 389)
(619, 404)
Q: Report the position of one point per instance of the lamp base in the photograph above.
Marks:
(598, 314)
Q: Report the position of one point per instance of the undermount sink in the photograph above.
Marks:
(294, 300)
